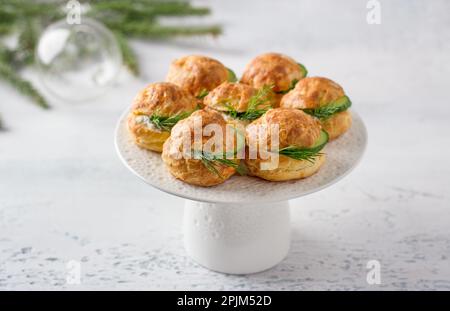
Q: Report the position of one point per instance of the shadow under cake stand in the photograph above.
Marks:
(243, 225)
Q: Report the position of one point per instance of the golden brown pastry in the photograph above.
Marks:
(324, 99)
(191, 162)
(239, 103)
(198, 74)
(273, 69)
(300, 140)
(155, 110)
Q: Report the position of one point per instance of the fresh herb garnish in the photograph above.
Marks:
(202, 94)
(163, 123)
(325, 112)
(306, 154)
(231, 75)
(212, 162)
(300, 153)
(254, 109)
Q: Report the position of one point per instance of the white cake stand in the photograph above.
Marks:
(243, 225)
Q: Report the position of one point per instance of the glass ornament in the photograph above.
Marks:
(78, 62)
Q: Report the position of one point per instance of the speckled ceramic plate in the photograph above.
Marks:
(343, 155)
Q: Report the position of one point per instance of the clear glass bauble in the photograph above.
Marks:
(78, 62)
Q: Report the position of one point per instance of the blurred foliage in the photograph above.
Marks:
(26, 19)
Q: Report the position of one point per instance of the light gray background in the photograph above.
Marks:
(64, 195)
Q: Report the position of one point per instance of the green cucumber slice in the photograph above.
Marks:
(304, 70)
(325, 112)
(231, 76)
(320, 142)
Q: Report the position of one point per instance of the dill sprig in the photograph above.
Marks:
(300, 153)
(325, 112)
(254, 109)
(163, 123)
(212, 162)
(306, 154)
(202, 94)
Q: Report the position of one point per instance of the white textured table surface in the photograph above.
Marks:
(64, 195)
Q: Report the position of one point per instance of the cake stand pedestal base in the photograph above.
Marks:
(237, 238)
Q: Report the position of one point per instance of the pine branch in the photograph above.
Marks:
(2, 126)
(28, 38)
(10, 75)
(21, 8)
(125, 18)
(7, 20)
(6, 29)
(6, 55)
(128, 55)
(143, 29)
(149, 9)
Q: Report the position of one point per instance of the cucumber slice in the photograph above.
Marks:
(325, 112)
(304, 70)
(320, 142)
(341, 104)
(231, 75)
